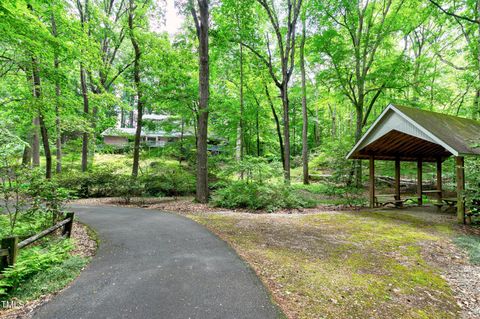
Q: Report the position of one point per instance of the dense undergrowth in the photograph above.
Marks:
(30, 204)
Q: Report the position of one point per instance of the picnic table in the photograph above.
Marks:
(385, 199)
(437, 192)
(451, 202)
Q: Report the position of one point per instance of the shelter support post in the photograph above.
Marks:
(397, 179)
(439, 180)
(460, 168)
(419, 181)
(372, 181)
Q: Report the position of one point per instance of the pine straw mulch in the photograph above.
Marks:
(186, 205)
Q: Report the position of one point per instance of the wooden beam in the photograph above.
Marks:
(397, 178)
(439, 180)
(460, 169)
(372, 181)
(419, 181)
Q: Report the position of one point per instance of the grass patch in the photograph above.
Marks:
(472, 245)
(342, 265)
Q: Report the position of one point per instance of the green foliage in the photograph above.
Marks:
(330, 159)
(10, 146)
(472, 245)
(26, 224)
(253, 169)
(256, 196)
(127, 187)
(49, 280)
(46, 196)
(329, 193)
(26, 195)
(34, 260)
(161, 179)
(100, 182)
(472, 193)
(169, 181)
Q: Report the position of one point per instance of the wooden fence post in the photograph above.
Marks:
(11, 244)
(67, 229)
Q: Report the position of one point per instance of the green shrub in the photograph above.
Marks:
(331, 158)
(100, 182)
(127, 187)
(256, 196)
(28, 196)
(253, 169)
(170, 181)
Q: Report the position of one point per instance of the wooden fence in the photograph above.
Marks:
(10, 246)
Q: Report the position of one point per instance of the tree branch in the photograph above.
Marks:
(453, 14)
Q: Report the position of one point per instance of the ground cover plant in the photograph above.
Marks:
(28, 205)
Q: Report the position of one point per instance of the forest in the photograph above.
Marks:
(247, 106)
(286, 83)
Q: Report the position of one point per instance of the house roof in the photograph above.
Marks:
(408, 134)
(155, 117)
(130, 131)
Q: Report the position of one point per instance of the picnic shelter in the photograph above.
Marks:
(409, 134)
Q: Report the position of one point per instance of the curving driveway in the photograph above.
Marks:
(159, 265)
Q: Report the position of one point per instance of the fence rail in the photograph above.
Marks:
(10, 246)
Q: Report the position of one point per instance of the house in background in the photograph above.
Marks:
(120, 136)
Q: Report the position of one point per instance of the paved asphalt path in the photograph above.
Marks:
(152, 264)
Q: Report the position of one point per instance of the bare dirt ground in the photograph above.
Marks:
(86, 246)
(322, 263)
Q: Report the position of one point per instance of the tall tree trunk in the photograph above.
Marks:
(83, 83)
(58, 141)
(304, 107)
(277, 124)
(27, 156)
(294, 131)
(257, 129)
(476, 109)
(43, 129)
(36, 142)
(240, 131)
(122, 117)
(334, 121)
(358, 135)
(84, 12)
(46, 148)
(202, 27)
(286, 132)
(137, 81)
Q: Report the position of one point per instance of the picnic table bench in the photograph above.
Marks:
(451, 202)
(386, 199)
